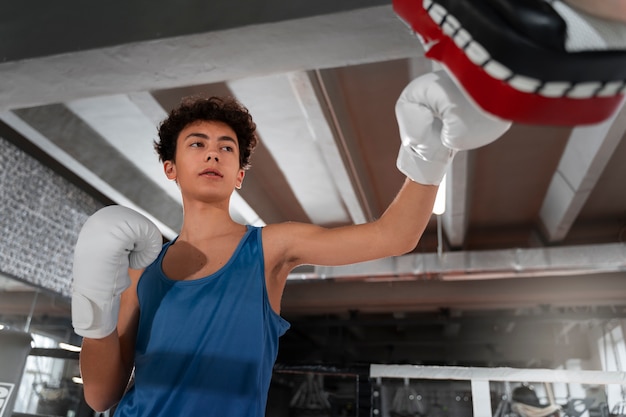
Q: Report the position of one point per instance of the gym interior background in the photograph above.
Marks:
(525, 268)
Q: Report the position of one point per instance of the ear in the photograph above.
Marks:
(240, 175)
(170, 170)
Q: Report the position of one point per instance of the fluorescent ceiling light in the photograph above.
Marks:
(69, 347)
(440, 201)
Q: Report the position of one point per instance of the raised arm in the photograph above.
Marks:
(435, 120)
(104, 302)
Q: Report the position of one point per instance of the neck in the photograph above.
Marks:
(205, 220)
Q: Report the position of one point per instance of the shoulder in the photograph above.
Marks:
(286, 234)
(278, 240)
(279, 257)
(283, 243)
(275, 238)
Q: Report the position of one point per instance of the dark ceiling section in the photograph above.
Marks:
(374, 125)
(76, 26)
(448, 323)
(505, 337)
(266, 188)
(512, 175)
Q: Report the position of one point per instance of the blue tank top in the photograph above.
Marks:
(205, 347)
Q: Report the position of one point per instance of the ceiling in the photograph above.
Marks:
(528, 255)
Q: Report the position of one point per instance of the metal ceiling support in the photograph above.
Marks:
(587, 153)
(481, 265)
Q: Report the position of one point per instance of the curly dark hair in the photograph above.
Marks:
(195, 109)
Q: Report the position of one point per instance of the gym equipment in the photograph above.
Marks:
(111, 240)
(525, 61)
(15, 348)
(436, 120)
(480, 380)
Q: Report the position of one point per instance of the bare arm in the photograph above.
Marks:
(106, 364)
(396, 232)
(435, 121)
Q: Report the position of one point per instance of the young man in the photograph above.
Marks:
(200, 325)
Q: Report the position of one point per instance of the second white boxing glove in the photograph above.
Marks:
(111, 240)
(436, 119)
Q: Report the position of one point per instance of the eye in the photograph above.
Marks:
(196, 144)
(228, 148)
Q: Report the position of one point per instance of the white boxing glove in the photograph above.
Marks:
(111, 240)
(436, 119)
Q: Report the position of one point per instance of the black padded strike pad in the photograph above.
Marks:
(510, 57)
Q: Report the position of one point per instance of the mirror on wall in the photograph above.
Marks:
(35, 310)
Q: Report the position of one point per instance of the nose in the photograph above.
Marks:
(212, 151)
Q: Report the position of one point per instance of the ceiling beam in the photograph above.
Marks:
(359, 36)
(323, 125)
(379, 296)
(588, 151)
(124, 126)
(347, 140)
(286, 133)
(311, 94)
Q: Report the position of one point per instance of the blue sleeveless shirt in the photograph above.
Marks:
(205, 347)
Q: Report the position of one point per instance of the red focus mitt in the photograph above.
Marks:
(528, 61)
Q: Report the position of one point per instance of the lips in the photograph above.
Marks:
(211, 173)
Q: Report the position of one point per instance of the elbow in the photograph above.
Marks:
(98, 401)
(399, 239)
(96, 405)
(402, 246)
(407, 249)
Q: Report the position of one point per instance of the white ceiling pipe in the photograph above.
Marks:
(496, 264)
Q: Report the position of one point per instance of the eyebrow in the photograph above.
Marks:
(203, 136)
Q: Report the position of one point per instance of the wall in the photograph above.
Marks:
(40, 216)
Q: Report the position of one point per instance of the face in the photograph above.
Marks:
(206, 164)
